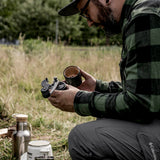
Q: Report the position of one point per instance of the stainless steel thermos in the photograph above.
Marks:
(21, 136)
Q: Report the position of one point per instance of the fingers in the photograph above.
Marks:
(56, 93)
(85, 74)
(52, 100)
(55, 102)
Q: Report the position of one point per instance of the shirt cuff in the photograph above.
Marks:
(98, 85)
(81, 103)
(101, 86)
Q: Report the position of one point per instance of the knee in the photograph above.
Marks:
(73, 140)
(76, 143)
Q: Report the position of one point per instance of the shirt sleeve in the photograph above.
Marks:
(140, 97)
(108, 87)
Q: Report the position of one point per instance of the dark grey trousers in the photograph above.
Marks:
(111, 139)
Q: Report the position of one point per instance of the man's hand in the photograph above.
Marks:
(64, 99)
(90, 82)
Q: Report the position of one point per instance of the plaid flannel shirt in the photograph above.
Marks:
(137, 97)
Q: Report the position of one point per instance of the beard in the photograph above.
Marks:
(107, 20)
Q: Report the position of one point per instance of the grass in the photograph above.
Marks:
(23, 67)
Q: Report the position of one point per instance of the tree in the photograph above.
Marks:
(37, 18)
(7, 8)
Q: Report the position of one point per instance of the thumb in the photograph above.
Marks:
(85, 74)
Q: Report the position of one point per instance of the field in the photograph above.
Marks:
(23, 67)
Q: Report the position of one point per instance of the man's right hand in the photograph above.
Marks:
(90, 82)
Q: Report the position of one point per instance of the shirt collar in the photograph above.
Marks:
(126, 10)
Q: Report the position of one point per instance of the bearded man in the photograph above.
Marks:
(128, 112)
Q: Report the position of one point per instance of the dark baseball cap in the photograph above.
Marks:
(70, 9)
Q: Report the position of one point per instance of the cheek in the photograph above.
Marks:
(95, 18)
(94, 15)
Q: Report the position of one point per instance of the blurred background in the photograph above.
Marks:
(39, 19)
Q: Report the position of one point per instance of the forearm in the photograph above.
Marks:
(114, 105)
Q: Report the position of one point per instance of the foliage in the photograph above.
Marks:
(38, 19)
(7, 8)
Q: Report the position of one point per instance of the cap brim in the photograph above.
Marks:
(70, 9)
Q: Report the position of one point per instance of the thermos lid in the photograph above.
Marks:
(21, 117)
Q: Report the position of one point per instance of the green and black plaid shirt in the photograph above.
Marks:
(137, 97)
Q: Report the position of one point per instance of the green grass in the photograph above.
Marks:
(22, 68)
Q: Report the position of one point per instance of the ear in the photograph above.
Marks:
(105, 2)
(108, 2)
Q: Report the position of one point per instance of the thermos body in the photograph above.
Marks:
(21, 137)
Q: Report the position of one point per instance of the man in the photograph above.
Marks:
(128, 125)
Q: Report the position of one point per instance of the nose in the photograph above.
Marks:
(90, 23)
